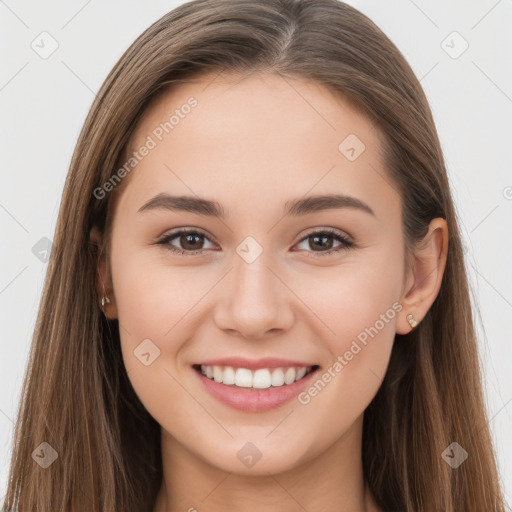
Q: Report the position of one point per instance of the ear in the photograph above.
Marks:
(104, 286)
(424, 278)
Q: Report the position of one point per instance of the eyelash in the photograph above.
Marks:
(346, 244)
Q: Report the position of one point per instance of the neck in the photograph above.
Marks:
(332, 482)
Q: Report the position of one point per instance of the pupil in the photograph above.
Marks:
(323, 238)
(189, 238)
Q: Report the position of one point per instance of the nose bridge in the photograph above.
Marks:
(254, 299)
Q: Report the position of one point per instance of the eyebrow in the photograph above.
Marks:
(296, 207)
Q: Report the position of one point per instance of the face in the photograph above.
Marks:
(264, 276)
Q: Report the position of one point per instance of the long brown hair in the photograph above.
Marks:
(76, 394)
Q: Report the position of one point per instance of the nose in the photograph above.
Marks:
(254, 300)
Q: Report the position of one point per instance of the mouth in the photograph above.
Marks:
(262, 378)
(256, 390)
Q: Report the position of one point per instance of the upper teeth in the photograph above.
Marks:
(259, 379)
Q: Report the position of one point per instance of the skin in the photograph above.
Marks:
(252, 143)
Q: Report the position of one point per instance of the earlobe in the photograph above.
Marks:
(104, 287)
(425, 276)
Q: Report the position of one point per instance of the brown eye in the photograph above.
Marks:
(322, 242)
(189, 242)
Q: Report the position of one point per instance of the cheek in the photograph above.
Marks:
(156, 319)
(153, 299)
(358, 304)
(355, 295)
(156, 315)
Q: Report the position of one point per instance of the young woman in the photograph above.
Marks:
(257, 297)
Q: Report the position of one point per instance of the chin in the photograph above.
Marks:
(257, 458)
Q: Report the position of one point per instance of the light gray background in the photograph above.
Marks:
(43, 103)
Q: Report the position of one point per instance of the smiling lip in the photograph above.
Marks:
(254, 364)
(250, 399)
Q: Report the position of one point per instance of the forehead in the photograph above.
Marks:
(262, 103)
(258, 134)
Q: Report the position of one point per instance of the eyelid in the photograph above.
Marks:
(345, 240)
(185, 230)
(341, 236)
(333, 231)
(165, 239)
